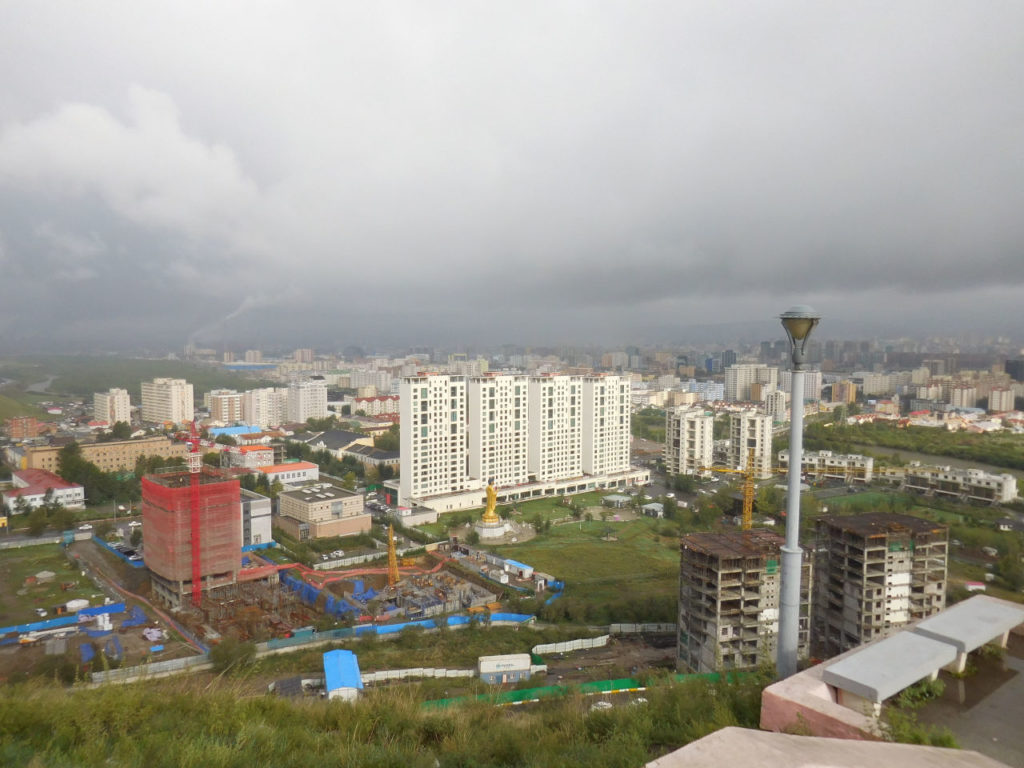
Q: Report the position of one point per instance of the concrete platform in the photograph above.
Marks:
(885, 668)
(971, 624)
(751, 749)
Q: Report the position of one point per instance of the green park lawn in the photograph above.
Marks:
(638, 562)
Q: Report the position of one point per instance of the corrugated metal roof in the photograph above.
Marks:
(341, 670)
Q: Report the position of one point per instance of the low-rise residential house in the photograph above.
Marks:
(32, 485)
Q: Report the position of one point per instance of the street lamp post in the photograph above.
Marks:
(798, 322)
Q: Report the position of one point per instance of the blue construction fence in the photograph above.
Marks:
(333, 606)
(258, 547)
(63, 621)
(556, 588)
(122, 555)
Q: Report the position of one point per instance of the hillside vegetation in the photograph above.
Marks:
(170, 723)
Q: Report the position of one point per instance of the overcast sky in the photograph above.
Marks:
(331, 173)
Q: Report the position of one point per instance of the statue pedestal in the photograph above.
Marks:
(490, 530)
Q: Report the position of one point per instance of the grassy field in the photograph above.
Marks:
(14, 404)
(639, 563)
(18, 601)
(81, 376)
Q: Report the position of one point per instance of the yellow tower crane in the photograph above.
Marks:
(392, 558)
(748, 487)
(748, 481)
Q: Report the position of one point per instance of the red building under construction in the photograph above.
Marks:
(167, 517)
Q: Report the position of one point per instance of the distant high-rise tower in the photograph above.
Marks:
(225, 406)
(1015, 368)
(167, 400)
(751, 430)
(112, 406)
(739, 378)
(689, 440)
(307, 400)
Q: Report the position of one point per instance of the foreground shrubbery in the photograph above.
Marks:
(166, 723)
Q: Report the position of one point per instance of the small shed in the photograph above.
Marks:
(616, 501)
(654, 509)
(507, 668)
(341, 675)
(521, 570)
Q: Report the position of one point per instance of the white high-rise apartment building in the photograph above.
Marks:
(225, 406)
(531, 435)
(433, 436)
(307, 400)
(689, 440)
(775, 404)
(606, 419)
(498, 429)
(265, 407)
(114, 405)
(749, 429)
(964, 397)
(379, 380)
(738, 379)
(812, 384)
(1000, 399)
(167, 400)
(556, 427)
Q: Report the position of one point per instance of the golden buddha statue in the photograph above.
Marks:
(490, 516)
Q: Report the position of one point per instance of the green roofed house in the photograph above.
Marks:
(341, 675)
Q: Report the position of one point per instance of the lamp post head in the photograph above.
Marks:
(799, 321)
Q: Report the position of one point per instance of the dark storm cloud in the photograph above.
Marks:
(506, 172)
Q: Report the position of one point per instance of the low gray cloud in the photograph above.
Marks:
(340, 173)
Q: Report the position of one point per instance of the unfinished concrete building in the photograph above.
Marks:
(729, 600)
(875, 574)
(176, 551)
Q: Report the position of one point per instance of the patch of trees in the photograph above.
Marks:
(389, 441)
(1001, 450)
(100, 487)
(120, 431)
(649, 424)
(327, 461)
(258, 483)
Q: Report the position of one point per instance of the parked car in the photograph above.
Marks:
(134, 524)
(40, 612)
(85, 527)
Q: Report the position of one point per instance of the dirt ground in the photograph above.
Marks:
(622, 657)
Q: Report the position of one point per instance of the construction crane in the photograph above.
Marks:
(195, 468)
(748, 487)
(392, 558)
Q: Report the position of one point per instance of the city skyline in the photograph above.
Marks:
(526, 174)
